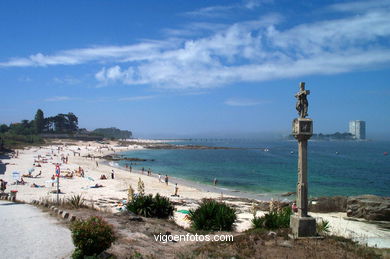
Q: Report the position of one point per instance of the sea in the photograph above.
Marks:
(270, 167)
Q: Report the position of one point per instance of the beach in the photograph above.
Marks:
(82, 156)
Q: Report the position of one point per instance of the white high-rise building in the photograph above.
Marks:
(358, 129)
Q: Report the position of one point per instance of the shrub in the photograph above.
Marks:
(162, 207)
(323, 227)
(149, 206)
(76, 201)
(273, 219)
(213, 215)
(91, 236)
(258, 222)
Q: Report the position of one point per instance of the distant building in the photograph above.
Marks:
(358, 129)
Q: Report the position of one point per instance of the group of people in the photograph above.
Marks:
(165, 179)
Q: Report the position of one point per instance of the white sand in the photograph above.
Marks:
(115, 189)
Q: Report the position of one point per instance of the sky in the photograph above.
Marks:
(180, 68)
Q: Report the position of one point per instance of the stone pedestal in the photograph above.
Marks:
(301, 224)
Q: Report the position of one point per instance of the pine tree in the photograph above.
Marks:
(39, 122)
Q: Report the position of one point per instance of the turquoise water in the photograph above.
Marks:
(335, 168)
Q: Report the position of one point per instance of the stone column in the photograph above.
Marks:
(302, 177)
(302, 224)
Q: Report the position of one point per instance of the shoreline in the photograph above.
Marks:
(115, 190)
(262, 197)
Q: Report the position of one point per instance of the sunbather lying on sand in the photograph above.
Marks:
(96, 186)
(29, 175)
(21, 182)
(37, 185)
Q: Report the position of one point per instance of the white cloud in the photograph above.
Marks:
(248, 51)
(244, 102)
(225, 10)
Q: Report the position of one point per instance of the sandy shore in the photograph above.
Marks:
(116, 189)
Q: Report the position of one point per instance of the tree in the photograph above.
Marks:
(39, 122)
(72, 122)
(3, 128)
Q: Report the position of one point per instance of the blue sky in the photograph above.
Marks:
(196, 68)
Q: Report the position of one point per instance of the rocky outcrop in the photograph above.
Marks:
(328, 204)
(370, 207)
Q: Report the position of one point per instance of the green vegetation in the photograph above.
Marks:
(273, 219)
(113, 133)
(76, 201)
(91, 237)
(213, 216)
(149, 206)
(323, 227)
(26, 132)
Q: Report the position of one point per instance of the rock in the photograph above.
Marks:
(288, 194)
(286, 243)
(370, 207)
(272, 234)
(65, 215)
(328, 204)
(135, 218)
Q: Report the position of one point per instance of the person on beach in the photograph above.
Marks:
(130, 169)
(166, 179)
(112, 174)
(52, 180)
(294, 207)
(97, 164)
(215, 181)
(3, 185)
(176, 190)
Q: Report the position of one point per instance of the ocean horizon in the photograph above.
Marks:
(269, 168)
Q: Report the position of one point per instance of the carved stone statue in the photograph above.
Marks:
(302, 103)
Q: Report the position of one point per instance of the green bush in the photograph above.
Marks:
(91, 236)
(273, 219)
(258, 222)
(323, 227)
(149, 206)
(76, 201)
(162, 207)
(213, 215)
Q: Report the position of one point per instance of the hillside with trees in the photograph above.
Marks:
(59, 126)
(113, 133)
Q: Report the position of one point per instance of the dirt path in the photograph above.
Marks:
(27, 232)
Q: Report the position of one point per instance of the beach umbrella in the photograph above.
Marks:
(16, 175)
(31, 170)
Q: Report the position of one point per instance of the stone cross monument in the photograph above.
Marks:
(302, 224)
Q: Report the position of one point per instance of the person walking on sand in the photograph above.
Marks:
(176, 190)
(215, 181)
(130, 169)
(97, 164)
(52, 180)
(159, 178)
(112, 174)
(166, 179)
